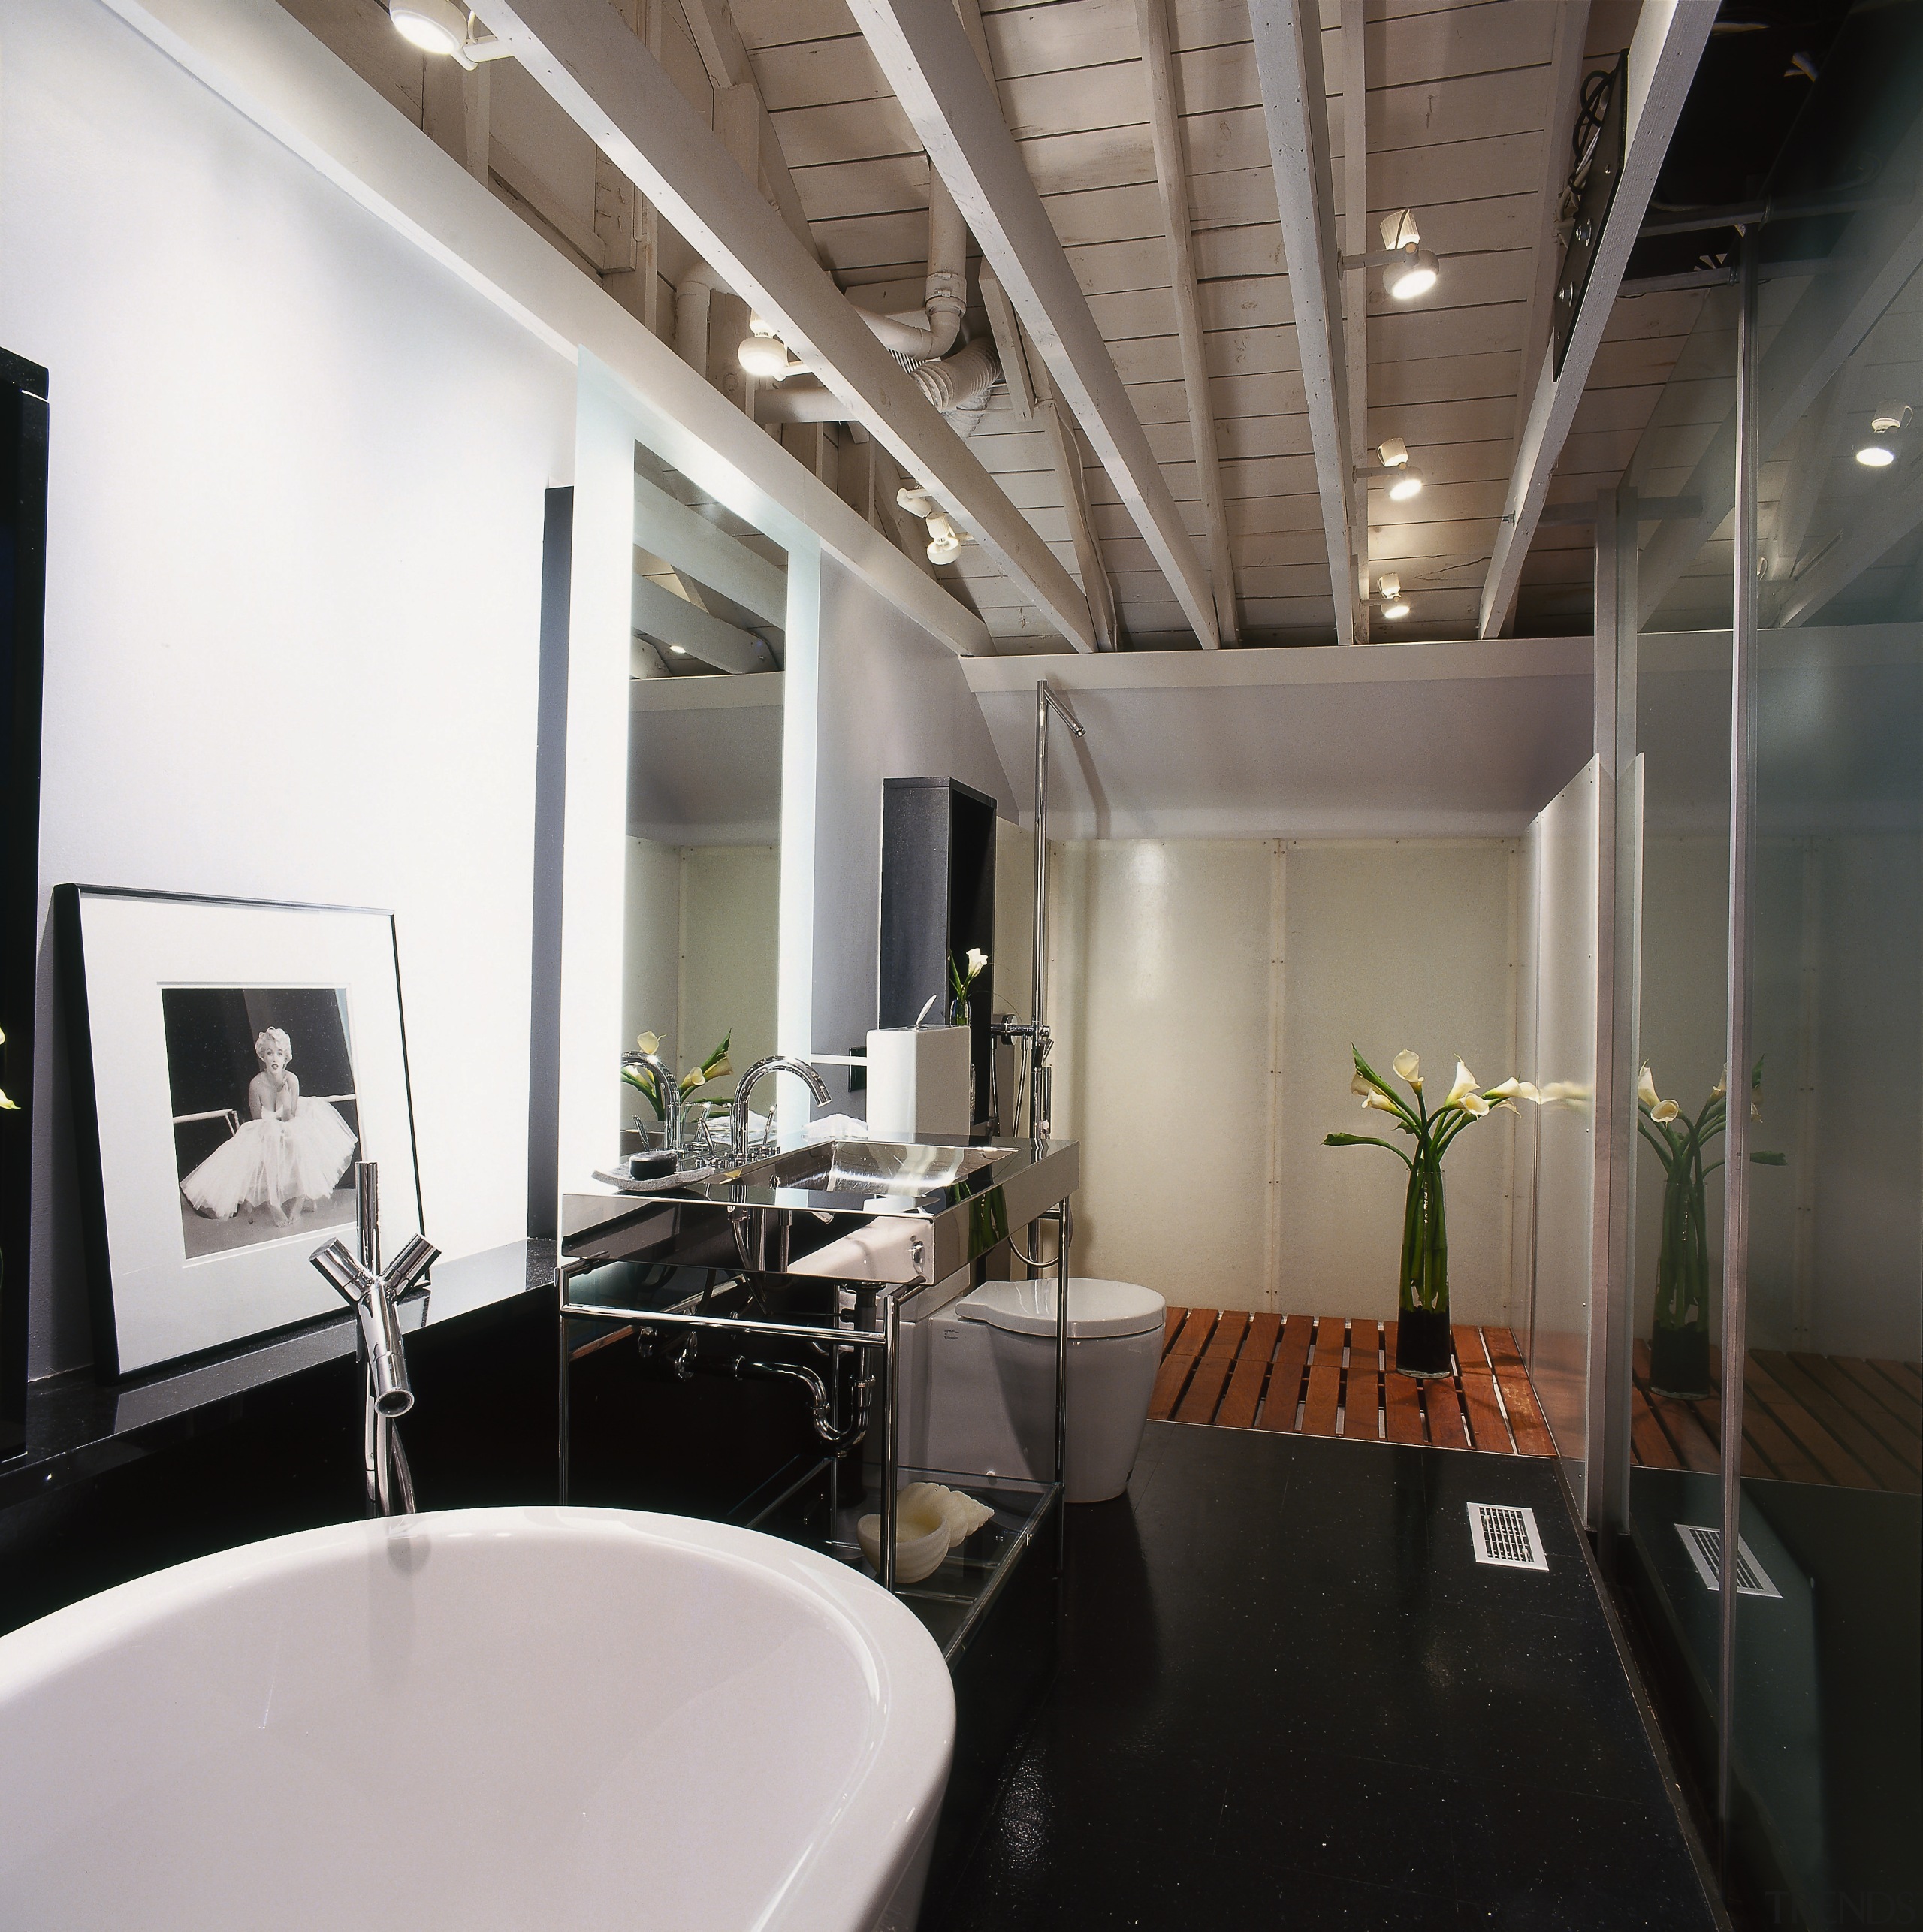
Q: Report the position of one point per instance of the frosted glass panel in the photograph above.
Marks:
(1563, 850)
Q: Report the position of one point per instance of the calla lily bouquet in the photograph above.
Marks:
(1422, 1338)
(643, 1079)
(961, 977)
(1679, 1333)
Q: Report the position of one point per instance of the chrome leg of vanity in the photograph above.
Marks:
(890, 1454)
(1064, 1233)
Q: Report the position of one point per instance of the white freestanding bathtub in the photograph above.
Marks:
(485, 1719)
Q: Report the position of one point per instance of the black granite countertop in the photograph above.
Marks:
(77, 1426)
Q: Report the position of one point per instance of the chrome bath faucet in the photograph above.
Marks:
(372, 1294)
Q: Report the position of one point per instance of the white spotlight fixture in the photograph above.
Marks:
(1394, 604)
(1409, 269)
(944, 540)
(762, 352)
(1393, 460)
(1888, 422)
(1412, 269)
(442, 28)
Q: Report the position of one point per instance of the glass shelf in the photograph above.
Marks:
(821, 1512)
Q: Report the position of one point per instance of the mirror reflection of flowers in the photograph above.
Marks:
(961, 977)
(1680, 1329)
(642, 1078)
(1422, 1326)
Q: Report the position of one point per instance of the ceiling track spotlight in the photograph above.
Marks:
(1394, 604)
(1886, 425)
(1409, 269)
(443, 28)
(1405, 480)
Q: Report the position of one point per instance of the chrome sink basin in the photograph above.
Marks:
(869, 1167)
(879, 1211)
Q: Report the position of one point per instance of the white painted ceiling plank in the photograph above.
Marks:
(1670, 35)
(926, 55)
(633, 113)
(1289, 54)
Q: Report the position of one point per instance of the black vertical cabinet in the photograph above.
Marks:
(937, 901)
(22, 611)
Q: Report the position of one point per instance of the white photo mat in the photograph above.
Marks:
(155, 1304)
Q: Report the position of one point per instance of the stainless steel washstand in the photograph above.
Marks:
(922, 1212)
(373, 1296)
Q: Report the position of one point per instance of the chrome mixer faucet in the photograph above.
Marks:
(372, 1294)
(777, 1062)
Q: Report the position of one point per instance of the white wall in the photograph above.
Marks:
(293, 570)
(1205, 995)
(892, 703)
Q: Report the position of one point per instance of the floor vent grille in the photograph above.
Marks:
(1505, 1535)
(1705, 1548)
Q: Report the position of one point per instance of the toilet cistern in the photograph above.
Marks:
(776, 1063)
(373, 1296)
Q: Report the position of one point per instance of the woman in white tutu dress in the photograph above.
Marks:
(292, 1150)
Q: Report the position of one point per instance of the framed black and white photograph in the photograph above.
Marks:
(231, 1061)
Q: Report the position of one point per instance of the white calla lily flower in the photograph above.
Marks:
(977, 959)
(1408, 1066)
(1466, 1094)
(1380, 1102)
(1359, 1085)
(1646, 1086)
(647, 1042)
(1664, 1111)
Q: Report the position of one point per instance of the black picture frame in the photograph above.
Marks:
(131, 962)
(23, 450)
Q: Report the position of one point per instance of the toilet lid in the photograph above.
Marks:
(1095, 1308)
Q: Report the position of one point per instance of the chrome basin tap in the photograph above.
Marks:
(669, 1088)
(777, 1063)
(373, 1295)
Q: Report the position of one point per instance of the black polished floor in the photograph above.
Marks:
(1289, 1698)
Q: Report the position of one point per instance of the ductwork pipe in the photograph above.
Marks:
(693, 294)
(956, 386)
(933, 331)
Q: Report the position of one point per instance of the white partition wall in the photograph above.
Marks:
(1563, 854)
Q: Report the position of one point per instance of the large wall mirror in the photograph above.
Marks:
(688, 873)
(701, 935)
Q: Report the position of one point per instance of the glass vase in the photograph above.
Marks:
(958, 1010)
(1422, 1319)
(1680, 1332)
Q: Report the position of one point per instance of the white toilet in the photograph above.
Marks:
(980, 1376)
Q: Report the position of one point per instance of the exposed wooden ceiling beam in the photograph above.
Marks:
(1879, 250)
(619, 95)
(1295, 113)
(1355, 288)
(924, 51)
(1670, 37)
(663, 618)
(1171, 184)
(1870, 536)
(1566, 89)
(707, 553)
